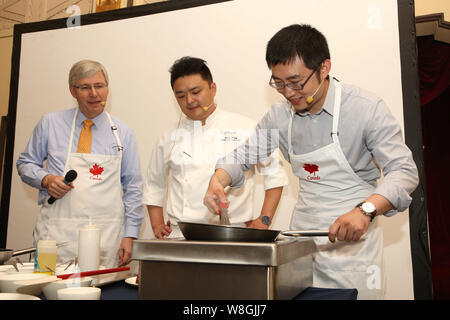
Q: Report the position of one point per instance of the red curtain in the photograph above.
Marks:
(434, 68)
(434, 71)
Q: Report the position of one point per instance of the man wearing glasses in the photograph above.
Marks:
(103, 151)
(332, 134)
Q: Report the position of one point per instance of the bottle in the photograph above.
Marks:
(89, 248)
(45, 258)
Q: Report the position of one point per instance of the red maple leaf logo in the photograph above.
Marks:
(311, 168)
(96, 170)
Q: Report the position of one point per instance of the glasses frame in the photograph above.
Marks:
(292, 86)
(88, 87)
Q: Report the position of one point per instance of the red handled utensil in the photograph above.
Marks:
(92, 273)
(224, 218)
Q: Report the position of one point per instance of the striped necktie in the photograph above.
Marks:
(84, 144)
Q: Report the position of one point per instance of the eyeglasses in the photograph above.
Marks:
(88, 88)
(280, 85)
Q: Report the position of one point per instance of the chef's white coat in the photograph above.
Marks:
(184, 159)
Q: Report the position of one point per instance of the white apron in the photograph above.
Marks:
(328, 189)
(97, 195)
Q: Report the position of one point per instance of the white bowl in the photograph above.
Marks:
(50, 289)
(22, 269)
(79, 293)
(26, 264)
(71, 269)
(17, 296)
(6, 267)
(7, 281)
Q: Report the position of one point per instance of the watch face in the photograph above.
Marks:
(265, 220)
(368, 207)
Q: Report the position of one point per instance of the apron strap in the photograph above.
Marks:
(114, 130)
(290, 132)
(72, 130)
(337, 109)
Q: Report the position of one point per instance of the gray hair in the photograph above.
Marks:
(84, 69)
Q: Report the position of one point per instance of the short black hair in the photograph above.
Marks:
(187, 66)
(297, 40)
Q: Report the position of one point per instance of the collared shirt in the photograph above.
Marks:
(369, 135)
(183, 161)
(49, 142)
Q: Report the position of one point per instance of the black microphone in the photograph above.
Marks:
(70, 176)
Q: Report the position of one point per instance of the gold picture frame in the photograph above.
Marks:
(106, 5)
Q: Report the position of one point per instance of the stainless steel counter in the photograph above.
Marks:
(181, 269)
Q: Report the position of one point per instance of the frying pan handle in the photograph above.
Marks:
(23, 251)
(305, 233)
(33, 249)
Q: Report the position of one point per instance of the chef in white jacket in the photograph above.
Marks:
(184, 159)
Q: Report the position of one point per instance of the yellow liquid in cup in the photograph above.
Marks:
(46, 260)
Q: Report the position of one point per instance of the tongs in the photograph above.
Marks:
(224, 219)
(72, 261)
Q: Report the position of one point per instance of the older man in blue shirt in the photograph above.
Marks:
(108, 189)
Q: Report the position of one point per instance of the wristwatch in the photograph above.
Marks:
(266, 220)
(368, 209)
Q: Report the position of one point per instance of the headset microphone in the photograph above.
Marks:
(102, 103)
(310, 99)
(206, 108)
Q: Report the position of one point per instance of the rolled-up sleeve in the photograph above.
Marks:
(385, 141)
(273, 171)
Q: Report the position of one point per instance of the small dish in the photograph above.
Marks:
(79, 293)
(17, 296)
(132, 281)
(50, 290)
(22, 269)
(6, 267)
(8, 281)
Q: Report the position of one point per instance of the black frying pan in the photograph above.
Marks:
(6, 254)
(214, 232)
